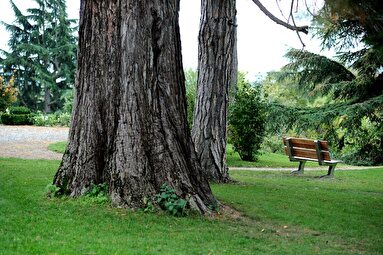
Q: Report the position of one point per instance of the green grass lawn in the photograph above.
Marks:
(58, 146)
(283, 214)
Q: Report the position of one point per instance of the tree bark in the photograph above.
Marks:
(129, 126)
(217, 72)
(47, 100)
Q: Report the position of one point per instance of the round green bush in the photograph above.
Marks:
(247, 121)
(19, 110)
(16, 119)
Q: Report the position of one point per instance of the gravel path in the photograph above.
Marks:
(30, 142)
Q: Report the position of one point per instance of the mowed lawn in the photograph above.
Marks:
(281, 214)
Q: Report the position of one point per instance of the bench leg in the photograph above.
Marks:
(301, 168)
(330, 173)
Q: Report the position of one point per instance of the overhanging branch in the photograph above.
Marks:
(303, 29)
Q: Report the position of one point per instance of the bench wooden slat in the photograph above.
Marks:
(305, 143)
(308, 153)
(325, 162)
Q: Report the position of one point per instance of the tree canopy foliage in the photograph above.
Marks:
(8, 93)
(42, 49)
(247, 120)
(349, 89)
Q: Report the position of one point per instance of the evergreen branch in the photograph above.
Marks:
(314, 72)
(20, 18)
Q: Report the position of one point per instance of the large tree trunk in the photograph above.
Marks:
(129, 125)
(217, 72)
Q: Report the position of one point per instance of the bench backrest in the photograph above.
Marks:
(306, 148)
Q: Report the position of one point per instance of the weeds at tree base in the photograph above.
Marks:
(98, 193)
(52, 191)
(168, 201)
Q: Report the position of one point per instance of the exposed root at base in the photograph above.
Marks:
(226, 212)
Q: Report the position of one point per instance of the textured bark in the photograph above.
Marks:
(129, 125)
(47, 100)
(217, 72)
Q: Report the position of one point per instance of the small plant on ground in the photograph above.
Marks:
(52, 190)
(215, 207)
(149, 206)
(168, 200)
(98, 193)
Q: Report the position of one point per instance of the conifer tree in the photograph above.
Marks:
(352, 115)
(43, 52)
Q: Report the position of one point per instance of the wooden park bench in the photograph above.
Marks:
(302, 150)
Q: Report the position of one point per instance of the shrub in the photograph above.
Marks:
(68, 97)
(247, 121)
(16, 119)
(19, 110)
(365, 144)
(273, 143)
(18, 115)
(55, 119)
(8, 93)
(39, 119)
(63, 119)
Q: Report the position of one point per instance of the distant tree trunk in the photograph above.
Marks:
(217, 72)
(129, 126)
(47, 100)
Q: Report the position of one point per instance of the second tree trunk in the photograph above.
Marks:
(217, 73)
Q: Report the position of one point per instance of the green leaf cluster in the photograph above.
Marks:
(52, 190)
(247, 121)
(345, 24)
(191, 89)
(98, 193)
(8, 93)
(338, 99)
(19, 110)
(53, 119)
(342, 105)
(42, 55)
(168, 200)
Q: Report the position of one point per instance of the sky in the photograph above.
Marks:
(261, 42)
